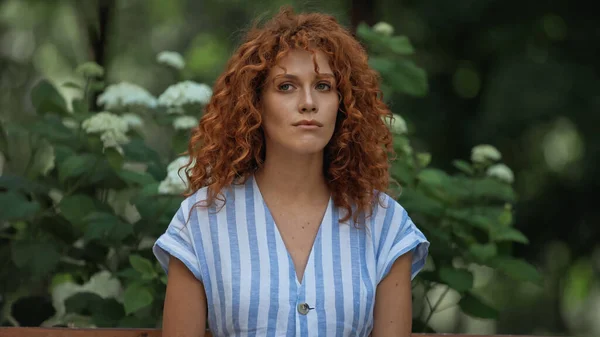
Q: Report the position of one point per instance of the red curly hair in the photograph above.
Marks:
(228, 144)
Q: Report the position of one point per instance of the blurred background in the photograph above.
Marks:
(520, 75)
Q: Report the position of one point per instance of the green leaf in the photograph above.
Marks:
(180, 141)
(114, 158)
(46, 98)
(417, 202)
(501, 233)
(52, 128)
(423, 158)
(79, 106)
(403, 172)
(517, 269)
(107, 313)
(164, 279)
(398, 45)
(434, 177)
(76, 207)
(39, 258)
(82, 302)
(149, 190)
(402, 75)
(18, 183)
(43, 160)
(105, 226)
(460, 280)
(136, 178)
(492, 189)
(474, 307)
(137, 150)
(128, 273)
(464, 167)
(136, 297)
(72, 85)
(578, 283)
(142, 265)
(76, 165)
(468, 216)
(15, 206)
(483, 252)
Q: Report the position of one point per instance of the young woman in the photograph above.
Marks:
(287, 229)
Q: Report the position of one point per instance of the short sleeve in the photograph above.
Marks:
(400, 236)
(178, 241)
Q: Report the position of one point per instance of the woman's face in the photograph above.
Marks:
(299, 106)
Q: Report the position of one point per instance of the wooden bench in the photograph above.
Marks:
(66, 332)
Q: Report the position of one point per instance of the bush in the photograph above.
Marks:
(83, 207)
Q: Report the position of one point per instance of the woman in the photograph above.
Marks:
(287, 230)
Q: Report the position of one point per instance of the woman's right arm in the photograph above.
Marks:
(184, 313)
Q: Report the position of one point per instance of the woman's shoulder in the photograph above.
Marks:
(198, 201)
(384, 201)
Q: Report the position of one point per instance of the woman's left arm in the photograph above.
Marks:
(392, 315)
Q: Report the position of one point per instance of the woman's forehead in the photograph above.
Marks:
(298, 61)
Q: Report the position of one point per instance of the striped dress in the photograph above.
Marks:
(251, 287)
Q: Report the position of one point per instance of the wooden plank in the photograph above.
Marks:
(67, 332)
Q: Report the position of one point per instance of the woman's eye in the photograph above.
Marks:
(323, 86)
(284, 87)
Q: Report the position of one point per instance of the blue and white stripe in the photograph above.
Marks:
(251, 287)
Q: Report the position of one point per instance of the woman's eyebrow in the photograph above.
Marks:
(294, 77)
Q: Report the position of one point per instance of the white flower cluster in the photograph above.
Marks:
(171, 59)
(174, 183)
(133, 120)
(102, 284)
(501, 172)
(125, 94)
(398, 125)
(185, 123)
(182, 93)
(383, 28)
(485, 153)
(112, 129)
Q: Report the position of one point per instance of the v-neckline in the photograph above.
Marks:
(278, 236)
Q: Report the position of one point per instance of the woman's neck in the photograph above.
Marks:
(292, 177)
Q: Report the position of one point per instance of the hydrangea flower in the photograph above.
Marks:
(103, 284)
(104, 121)
(182, 93)
(171, 59)
(383, 28)
(399, 125)
(501, 172)
(125, 94)
(174, 183)
(484, 153)
(112, 129)
(133, 120)
(185, 122)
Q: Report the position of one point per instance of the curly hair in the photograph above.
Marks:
(228, 145)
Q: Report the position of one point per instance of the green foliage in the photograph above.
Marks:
(467, 214)
(96, 195)
(92, 199)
